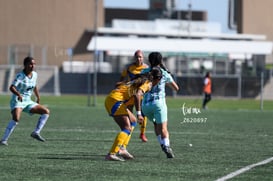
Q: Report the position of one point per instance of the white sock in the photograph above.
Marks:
(12, 124)
(41, 122)
(166, 141)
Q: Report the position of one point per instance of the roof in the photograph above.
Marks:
(163, 44)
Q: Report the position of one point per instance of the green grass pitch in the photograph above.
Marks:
(208, 144)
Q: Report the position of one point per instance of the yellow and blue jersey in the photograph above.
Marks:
(116, 101)
(132, 70)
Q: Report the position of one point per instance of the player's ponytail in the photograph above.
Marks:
(164, 68)
(156, 59)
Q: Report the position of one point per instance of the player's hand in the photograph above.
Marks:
(20, 98)
(140, 119)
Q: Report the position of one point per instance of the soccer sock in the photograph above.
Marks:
(165, 141)
(126, 142)
(143, 125)
(11, 126)
(119, 140)
(41, 122)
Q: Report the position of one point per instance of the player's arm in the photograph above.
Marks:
(123, 75)
(138, 98)
(206, 81)
(173, 85)
(36, 92)
(13, 89)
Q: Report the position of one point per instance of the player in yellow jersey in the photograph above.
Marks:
(129, 73)
(116, 106)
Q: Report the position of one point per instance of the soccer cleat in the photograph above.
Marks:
(37, 136)
(143, 137)
(113, 157)
(5, 143)
(125, 154)
(168, 151)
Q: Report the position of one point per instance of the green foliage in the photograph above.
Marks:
(233, 134)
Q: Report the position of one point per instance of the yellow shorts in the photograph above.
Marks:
(131, 102)
(114, 107)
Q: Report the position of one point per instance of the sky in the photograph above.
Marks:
(217, 9)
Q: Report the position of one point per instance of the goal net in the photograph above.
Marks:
(48, 78)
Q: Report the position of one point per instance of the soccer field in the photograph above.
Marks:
(208, 144)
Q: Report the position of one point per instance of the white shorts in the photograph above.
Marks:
(26, 105)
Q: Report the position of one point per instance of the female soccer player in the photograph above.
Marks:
(129, 73)
(115, 104)
(154, 103)
(206, 90)
(22, 88)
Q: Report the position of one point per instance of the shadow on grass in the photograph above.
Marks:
(79, 156)
(77, 140)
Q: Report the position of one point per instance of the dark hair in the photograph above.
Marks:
(28, 60)
(155, 59)
(140, 79)
(156, 73)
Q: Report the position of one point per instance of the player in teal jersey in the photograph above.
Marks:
(22, 88)
(154, 103)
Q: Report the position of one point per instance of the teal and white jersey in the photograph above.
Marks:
(157, 92)
(24, 85)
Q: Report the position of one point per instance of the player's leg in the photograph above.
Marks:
(133, 122)
(165, 141)
(44, 115)
(123, 149)
(16, 113)
(161, 129)
(124, 124)
(142, 125)
(207, 98)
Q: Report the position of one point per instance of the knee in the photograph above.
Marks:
(127, 131)
(46, 111)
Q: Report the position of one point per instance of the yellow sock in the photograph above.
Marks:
(120, 138)
(143, 126)
(126, 142)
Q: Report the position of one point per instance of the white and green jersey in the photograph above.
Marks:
(157, 92)
(24, 85)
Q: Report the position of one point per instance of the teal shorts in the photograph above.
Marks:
(26, 105)
(156, 112)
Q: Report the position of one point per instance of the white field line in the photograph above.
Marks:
(244, 169)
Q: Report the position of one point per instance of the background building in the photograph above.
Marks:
(57, 32)
(44, 29)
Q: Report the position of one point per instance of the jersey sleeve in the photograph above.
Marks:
(168, 77)
(206, 81)
(145, 70)
(124, 72)
(19, 77)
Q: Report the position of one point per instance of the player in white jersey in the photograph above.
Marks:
(154, 103)
(22, 88)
